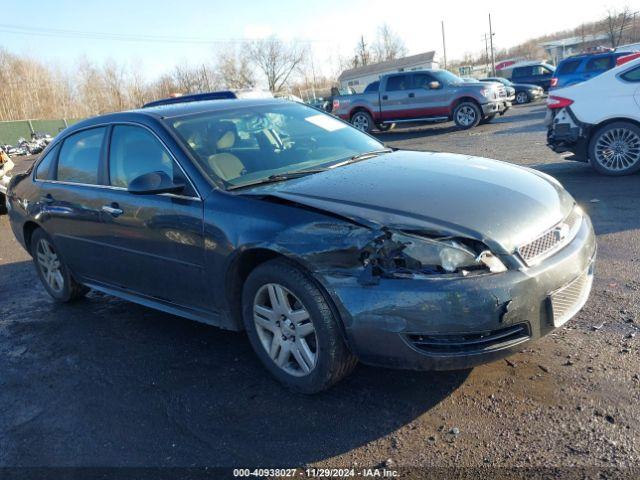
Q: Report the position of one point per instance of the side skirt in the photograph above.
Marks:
(208, 317)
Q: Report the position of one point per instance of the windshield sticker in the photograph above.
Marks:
(330, 124)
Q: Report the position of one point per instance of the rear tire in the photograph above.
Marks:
(315, 355)
(53, 272)
(614, 149)
(467, 115)
(362, 121)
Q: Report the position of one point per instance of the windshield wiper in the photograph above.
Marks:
(279, 177)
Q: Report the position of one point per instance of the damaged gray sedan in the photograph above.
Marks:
(325, 246)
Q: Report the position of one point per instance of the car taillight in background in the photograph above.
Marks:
(554, 102)
(554, 81)
(627, 58)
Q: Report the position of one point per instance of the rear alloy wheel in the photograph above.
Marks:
(53, 273)
(362, 121)
(615, 149)
(467, 115)
(292, 328)
(522, 97)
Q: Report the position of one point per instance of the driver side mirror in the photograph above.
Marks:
(153, 183)
(434, 85)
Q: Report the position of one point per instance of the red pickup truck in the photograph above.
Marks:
(422, 96)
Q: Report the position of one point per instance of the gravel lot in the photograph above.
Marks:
(108, 383)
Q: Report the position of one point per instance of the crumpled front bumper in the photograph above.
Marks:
(386, 323)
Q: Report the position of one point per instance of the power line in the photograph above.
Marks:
(122, 37)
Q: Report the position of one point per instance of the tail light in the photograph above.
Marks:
(554, 102)
(336, 105)
(554, 81)
(627, 58)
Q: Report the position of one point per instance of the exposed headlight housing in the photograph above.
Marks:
(401, 254)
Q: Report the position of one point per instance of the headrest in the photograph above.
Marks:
(227, 140)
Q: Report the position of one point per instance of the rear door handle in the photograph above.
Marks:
(48, 198)
(385, 97)
(411, 95)
(112, 210)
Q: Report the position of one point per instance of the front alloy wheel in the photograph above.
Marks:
(285, 329)
(522, 97)
(362, 121)
(615, 149)
(467, 115)
(293, 329)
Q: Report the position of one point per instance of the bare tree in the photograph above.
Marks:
(388, 45)
(363, 54)
(616, 22)
(234, 69)
(276, 59)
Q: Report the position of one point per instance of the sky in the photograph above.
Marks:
(193, 31)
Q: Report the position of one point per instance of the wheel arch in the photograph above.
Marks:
(27, 233)
(597, 126)
(246, 262)
(360, 108)
(465, 98)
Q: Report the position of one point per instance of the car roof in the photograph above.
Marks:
(176, 110)
(582, 56)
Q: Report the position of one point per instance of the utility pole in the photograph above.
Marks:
(444, 46)
(486, 51)
(493, 60)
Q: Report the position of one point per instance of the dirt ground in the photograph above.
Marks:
(104, 382)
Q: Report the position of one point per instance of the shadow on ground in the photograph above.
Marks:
(106, 382)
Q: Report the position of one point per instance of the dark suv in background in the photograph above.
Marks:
(534, 73)
(580, 68)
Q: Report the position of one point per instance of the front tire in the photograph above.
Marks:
(362, 121)
(614, 149)
(53, 272)
(293, 329)
(522, 98)
(488, 118)
(385, 127)
(467, 115)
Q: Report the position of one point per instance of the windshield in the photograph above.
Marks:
(245, 145)
(446, 77)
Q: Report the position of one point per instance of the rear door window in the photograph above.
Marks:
(80, 156)
(599, 64)
(372, 87)
(44, 167)
(522, 72)
(632, 75)
(568, 67)
(398, 82)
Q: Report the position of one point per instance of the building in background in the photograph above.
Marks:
(557, 50)
(358, 78)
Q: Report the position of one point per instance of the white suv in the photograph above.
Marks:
(599, 120)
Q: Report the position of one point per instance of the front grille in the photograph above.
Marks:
(462, 344)
(567, 301)
(551, 240)
(502, 92)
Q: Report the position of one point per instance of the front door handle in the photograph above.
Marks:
(385, 97)
(48, 198)
(411, 95)
(112, 210)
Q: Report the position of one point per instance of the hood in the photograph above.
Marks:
(496, 202)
